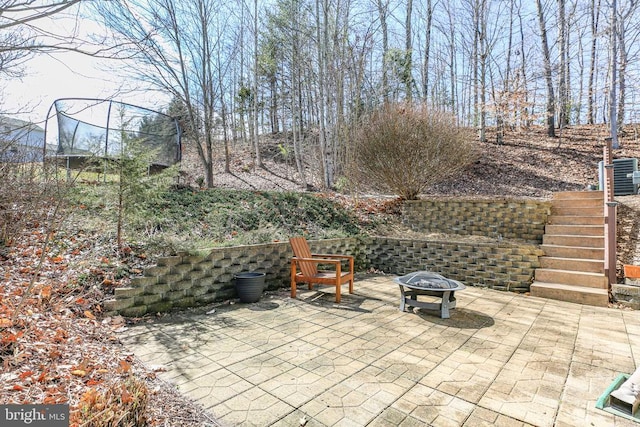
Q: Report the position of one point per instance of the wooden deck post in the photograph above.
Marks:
(610, 205)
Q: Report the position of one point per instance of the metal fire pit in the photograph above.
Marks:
(430, 284)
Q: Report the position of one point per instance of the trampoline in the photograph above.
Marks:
(88, 129)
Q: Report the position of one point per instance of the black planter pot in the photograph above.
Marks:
(249, 286)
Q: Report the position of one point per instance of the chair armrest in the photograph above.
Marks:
(332, 256)
(318, 260)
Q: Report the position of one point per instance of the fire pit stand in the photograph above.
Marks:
(430, 284)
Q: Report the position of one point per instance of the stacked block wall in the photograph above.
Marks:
(189, 280)
(197, 279)
(500, 218)
(503, 266)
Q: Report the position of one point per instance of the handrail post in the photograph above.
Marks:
(610, 243)
(610, 206)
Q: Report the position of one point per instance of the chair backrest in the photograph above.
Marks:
(301, 250)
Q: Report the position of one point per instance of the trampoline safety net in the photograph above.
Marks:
(101, 129)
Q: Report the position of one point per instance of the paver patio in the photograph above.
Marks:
(502, 359)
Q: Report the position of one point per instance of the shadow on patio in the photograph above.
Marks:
(501, 359)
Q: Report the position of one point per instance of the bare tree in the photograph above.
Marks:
(408, 62)
(22, 36)
(563, 98)
(383, 12)
(427, 50)
(173, 45)
(254, 106)
(546, 56)
(625, 26)
(613, 73)
(595, 19)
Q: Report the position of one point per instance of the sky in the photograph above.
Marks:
(49, 78)
(66, 75)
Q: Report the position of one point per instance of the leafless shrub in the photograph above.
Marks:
(404, 148)
(16, 199)
(123, 404)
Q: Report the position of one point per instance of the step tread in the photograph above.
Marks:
(575, 219)
(586, 236)
(562, 195)
(574, 264)
(571, 288)
(590, 242)
(571, 277)
(573, 272)
(568, 246)
(570, 293)
(559, 258)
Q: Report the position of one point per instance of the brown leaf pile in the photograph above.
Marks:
(56, 347)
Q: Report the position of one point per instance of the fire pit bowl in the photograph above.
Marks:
(430, 284)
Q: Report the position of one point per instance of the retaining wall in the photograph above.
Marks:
(502, 265)
(496, 218)
(192, 279)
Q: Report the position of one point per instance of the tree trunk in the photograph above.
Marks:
(427, 51)
(484, 53)
(563, 102)
(256, 143)
(524, 110)
(408, 62)
(624, 60)
(383, 9)
(595, 18)
(551, 131)
(613, 58)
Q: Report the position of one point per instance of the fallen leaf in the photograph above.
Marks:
(46, 292)
(79, 372)
(5, 323)
(89, 314)
(124, 367)
(126, 397)
(26, 374)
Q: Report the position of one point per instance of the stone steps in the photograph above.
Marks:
(572, 268)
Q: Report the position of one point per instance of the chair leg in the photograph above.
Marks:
(338, 286)
(293, 279)
(351, 286)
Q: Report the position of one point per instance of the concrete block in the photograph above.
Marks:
(147, 299)
(169, 261)
(136, 311)
(118, 304)
(122, 293)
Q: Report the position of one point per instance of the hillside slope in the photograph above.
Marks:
(526, 164)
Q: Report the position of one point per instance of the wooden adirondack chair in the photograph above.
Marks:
(309, 272)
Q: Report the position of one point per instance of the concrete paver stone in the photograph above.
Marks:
(502, 359)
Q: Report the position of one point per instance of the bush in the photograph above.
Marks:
(123, 405)
(404, 148)
(27, 196)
